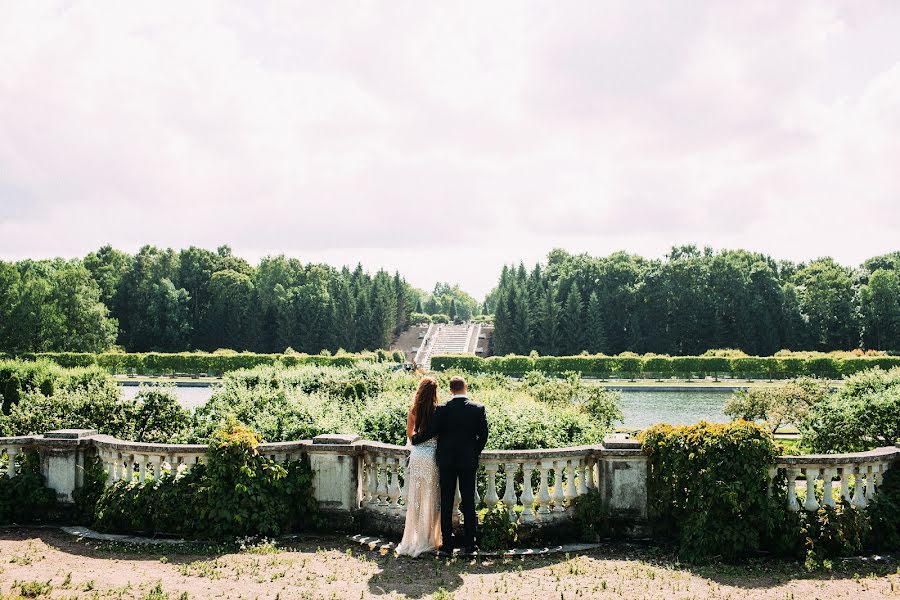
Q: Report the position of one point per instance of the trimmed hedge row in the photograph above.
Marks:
(773, 367)
(152, 363)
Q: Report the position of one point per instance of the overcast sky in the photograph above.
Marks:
(446, 139)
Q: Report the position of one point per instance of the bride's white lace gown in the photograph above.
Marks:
(423, 505)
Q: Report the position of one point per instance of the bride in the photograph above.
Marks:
(423, 505)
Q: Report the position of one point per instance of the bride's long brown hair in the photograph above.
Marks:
(426, 399)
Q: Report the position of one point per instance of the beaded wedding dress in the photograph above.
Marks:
(423, 505)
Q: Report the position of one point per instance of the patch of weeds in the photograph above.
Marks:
(35, 589)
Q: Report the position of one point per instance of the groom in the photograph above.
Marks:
(461, 425)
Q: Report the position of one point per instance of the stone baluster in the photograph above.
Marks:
(158, 467)
(845, 482)
(11, 453)
(130, 462)
(811, 504)
(382, 482)
(582, 470)
(527, 493)
(870, 483)
(509, 494)
(859, 498)
(773, 472)
(558, 493)
(372, 480)
(394, 485)
(792, 474)
(589, 466)
(571, 492)
(477, 498)
(115, 465)
(490, 494)
(543, 498)
(827, 493)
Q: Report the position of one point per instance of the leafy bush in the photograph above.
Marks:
(25, 498)
(862, 415)
(777, 406)
(591, 516)
(707, 486)
(153, 415)
(289, 404)
(235, 493)
(18, 378)
(884, 512)
(497, 530)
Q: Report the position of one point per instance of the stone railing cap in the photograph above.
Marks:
(70, 434)
(335, 438)
(621, 441)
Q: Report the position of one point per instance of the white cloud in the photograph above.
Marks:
(444, 140)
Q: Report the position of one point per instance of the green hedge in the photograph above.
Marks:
(155, 363)
(770, 367)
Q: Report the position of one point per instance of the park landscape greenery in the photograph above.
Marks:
(707, 481)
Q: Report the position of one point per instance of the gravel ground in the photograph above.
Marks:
(45, 563)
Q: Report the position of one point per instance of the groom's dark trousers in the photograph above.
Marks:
(462, 429)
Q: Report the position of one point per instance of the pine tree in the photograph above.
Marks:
(595, 330)
(572, 329)
(549, 323)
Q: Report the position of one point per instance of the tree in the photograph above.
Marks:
(827, 302)
(230, 315)
(573, 321)
(107, 266)
(595, 330)
(879, 302)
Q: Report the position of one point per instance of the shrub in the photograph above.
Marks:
(153, 415)
(777, 406)
(591, 516)
(235, 493)
(862, 415)
(18, 378)
(884, 512)
(25, 498)
(497, 530)
(707, 486)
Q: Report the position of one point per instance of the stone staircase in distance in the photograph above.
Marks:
(447, 339)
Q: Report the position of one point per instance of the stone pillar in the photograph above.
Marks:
(333, 462)
(63, 458)
(623, 484)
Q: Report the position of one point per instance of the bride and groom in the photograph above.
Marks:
(447, 440)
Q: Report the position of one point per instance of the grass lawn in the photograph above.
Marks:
(46, 563)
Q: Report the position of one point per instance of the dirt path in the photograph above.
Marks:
(47, 563)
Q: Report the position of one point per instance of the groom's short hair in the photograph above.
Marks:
(457, 384)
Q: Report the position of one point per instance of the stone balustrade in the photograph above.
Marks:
(827, 479)
(360, 482)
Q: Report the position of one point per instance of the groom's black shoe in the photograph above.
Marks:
(444, 552)
(470, 550)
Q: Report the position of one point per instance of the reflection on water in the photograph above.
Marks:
(188, 397)
(641, 408)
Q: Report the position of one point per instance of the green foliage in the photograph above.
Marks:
(884, 512)
(18, 378)
(88, 494)
(777, 406)
(24, 498)
(497, 531)
(862, 415)
(290, 404)
(153, 415)
(627, 365)
(235, 493)
(591, 516)
(693, 300)
(707, 486)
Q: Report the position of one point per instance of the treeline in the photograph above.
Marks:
(659, 367)
(694, 300)
(196, 299)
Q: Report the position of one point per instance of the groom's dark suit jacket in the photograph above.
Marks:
(463, 430)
